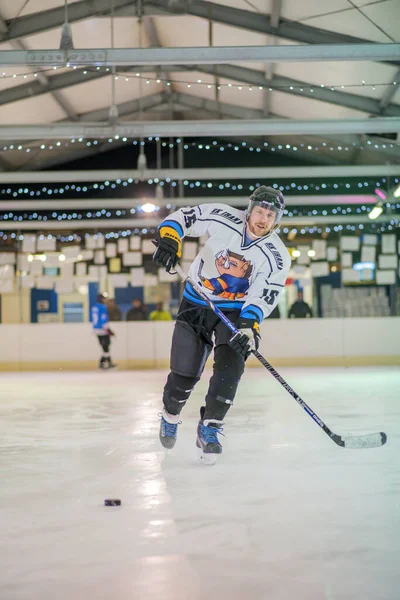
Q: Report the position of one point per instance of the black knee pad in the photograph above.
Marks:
(189, 352)
(228, 369)
(177, 391)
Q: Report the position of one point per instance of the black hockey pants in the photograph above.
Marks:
(192, 343)
(104, 341)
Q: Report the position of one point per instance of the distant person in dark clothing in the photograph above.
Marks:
(114, 313)
(300, 309)
(137, 312)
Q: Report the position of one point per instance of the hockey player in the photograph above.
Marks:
(99, 317)
(242, 268)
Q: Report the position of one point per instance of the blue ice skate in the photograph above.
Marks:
(207, 439)
(168, 429)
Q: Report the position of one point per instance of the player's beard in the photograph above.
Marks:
(258, 232)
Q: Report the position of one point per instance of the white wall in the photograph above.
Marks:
(147, 345)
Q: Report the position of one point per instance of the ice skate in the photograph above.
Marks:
(207, 441)
(105, 364)
(168, 429)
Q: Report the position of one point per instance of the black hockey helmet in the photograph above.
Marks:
(270, 198)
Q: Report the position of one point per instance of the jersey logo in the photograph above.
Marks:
(277, 256)
(234, 275)
(226, 215)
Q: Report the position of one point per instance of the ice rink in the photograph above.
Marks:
(285, 513)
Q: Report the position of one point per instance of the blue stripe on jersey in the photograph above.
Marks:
(249, 314)
(252, 311)
(191, 295)
(175, 225)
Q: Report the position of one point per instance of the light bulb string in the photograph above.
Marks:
(128, 75)
(369, 145)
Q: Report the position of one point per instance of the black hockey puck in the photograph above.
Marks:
(112, 502)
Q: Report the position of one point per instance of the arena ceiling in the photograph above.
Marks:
(290, 91)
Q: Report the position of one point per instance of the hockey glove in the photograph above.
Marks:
(169, 248)
(247, 339)
(110, 332)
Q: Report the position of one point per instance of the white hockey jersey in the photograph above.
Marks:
(232, 274)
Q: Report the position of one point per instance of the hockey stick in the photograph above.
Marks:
(373, 440)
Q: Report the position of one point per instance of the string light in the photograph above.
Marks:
(127, 76)
(105, 214)
(240, 187)
(369, 145)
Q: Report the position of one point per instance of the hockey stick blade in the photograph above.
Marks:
(358, 442)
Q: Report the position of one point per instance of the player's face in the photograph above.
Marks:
(261, 221)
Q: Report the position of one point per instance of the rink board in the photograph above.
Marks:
(309, 342)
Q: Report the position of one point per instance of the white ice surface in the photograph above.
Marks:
(285, 514)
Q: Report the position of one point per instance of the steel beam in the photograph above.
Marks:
(253, 21)
(157, 104)
(117, 203)
(55, 82)
(131, 108)
(183, 102)
(153, 222)
(229, 173)
(388, 95)
(154, 39)
(77, 154)
(230, 111)
(199, 55)
(5, 165)
(65, 80)
(147, 103)
(270, 67)
(187, 101)
(243, 19)
(255, 78)
(42, 78)
(203, 128)
(233, 72)
(77, 11)
(212, 107)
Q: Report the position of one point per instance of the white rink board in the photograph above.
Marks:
(362, 335)
(147, 344)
